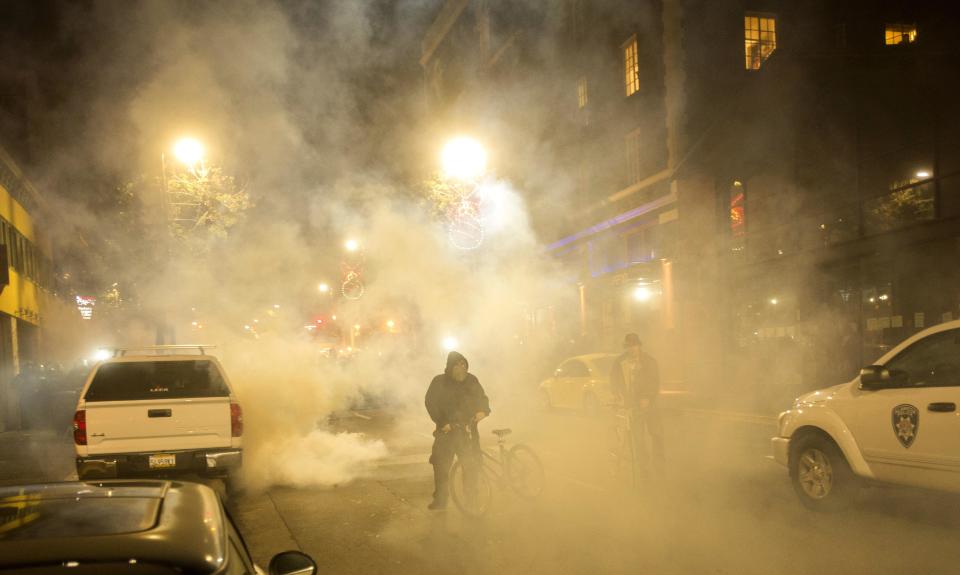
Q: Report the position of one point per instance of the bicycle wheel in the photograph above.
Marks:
(473, 502)
(621, 457)
(524, 472)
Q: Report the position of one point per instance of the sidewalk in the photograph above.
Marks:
(35, 456)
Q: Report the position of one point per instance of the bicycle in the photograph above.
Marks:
(623, 452)
(630, 453)
(518, 468)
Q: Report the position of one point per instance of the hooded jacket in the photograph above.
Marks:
(455, 402)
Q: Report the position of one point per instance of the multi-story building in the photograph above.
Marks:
(33, 319)
(762, 188)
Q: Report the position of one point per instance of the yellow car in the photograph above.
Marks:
(581, 382)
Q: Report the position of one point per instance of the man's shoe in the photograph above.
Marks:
(437, 506)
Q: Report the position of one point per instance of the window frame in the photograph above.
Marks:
(759, 59)
(912, 31)
(631, 48)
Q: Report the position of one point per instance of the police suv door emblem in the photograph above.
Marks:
(906, 423)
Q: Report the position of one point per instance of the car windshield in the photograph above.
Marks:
(127, 381)
(77, 568)
(29, 517)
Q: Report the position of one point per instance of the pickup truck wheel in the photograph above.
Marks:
(821, 476)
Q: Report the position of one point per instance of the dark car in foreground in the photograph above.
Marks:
(106, 527)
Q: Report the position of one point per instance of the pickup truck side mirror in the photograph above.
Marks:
(875, 377)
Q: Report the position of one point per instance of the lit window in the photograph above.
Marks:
(632, 146)
(631, 66)
(900, 34)
(759, 38)
(738, 220)
(583, 97)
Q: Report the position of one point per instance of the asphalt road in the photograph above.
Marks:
(722, 507)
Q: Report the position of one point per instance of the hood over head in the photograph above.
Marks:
(454, 357)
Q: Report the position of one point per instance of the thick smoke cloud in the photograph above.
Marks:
(315, 108)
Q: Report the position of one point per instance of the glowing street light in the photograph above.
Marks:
(923, 174)
(351, 245)
(324, 288)
(188, 151)
(642, 293)
(463, 159)
(391, 324)
(450, 343)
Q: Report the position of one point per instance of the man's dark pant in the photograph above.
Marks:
(445, 446)
(645, 423)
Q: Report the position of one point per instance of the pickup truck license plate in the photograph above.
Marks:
(163, 461)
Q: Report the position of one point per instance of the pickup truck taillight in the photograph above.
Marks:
(236, 420)
(80, 427)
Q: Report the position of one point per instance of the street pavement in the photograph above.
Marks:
(721, 507)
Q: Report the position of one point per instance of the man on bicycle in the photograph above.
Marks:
(635, 381)
(456, 403)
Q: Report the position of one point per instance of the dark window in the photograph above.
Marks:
(574, 368)
(12, 237)
(20, 256)
(933, 361)
(126, 381)
(31, 267)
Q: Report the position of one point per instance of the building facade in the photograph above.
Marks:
(34, 318)
(767, 191)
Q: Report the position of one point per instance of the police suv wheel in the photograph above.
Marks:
(821, 476)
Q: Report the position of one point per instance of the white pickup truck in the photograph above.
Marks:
(146, 414)
(897, 422)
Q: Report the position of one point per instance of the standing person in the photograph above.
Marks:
(456, 403)
(635, 381)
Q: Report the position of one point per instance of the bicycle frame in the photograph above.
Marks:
(493, 466)
(624, 429)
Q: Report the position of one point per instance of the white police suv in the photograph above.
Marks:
(897, 422)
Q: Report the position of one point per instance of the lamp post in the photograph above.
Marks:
(190, 152)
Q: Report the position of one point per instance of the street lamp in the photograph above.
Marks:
(450, 343)
(351, 245)
(188, 151)
(642, 293)
(324, 288)
(463, 158)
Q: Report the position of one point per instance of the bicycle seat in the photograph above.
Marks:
(501, 432)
